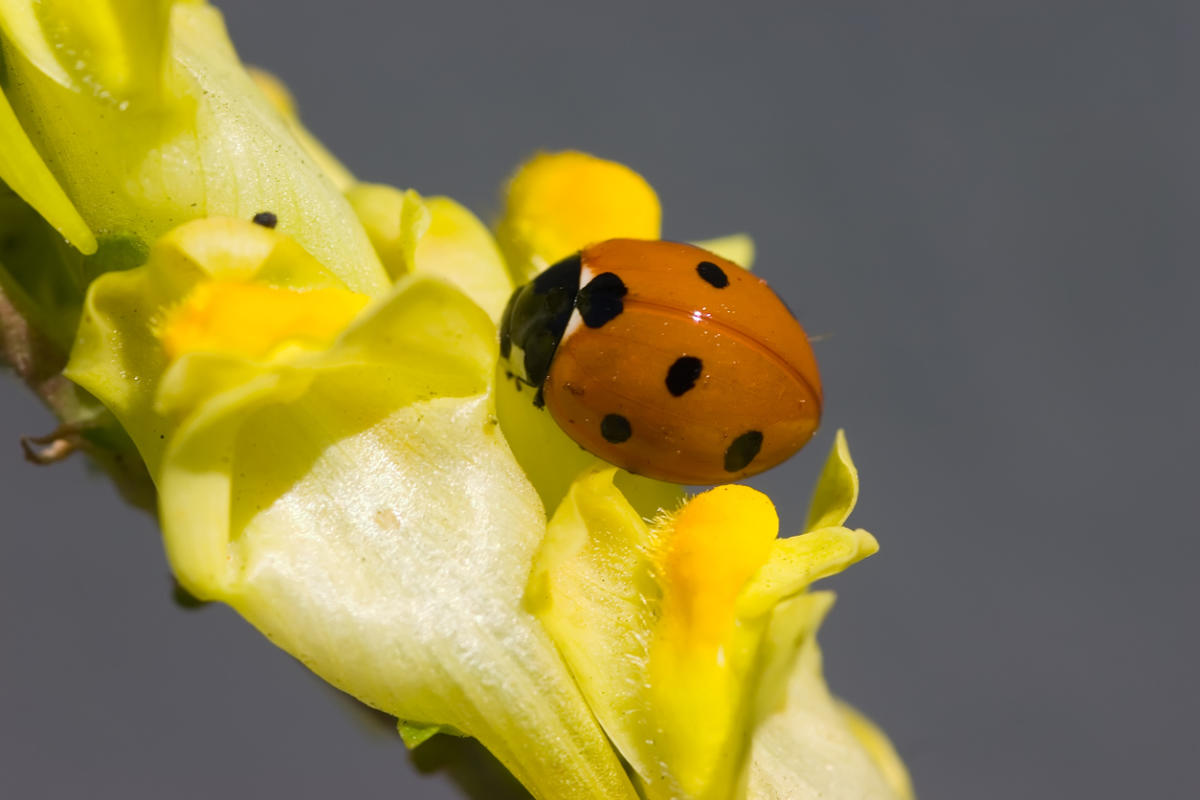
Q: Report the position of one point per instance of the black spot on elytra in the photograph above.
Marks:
(683, 374)
(600, 301)
(713, 274)
(266, 218)
(743, 450)
(615, 428)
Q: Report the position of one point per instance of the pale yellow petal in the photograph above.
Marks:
(385, 543)
(799, 561)
(881, 750)
(394, 220)
(837, 488)
(460, 249)
(193, 138)
(594, 589)
(281, 100)
(434, 236)
(553, 461)
(804, 749)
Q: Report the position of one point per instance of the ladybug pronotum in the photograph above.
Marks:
(666, 360)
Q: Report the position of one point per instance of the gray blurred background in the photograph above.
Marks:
(991, 210)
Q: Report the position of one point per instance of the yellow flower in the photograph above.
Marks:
(149, 120)
(433, 235)
(318, 409)
(332, 470)
(693, 637)
(119, 120)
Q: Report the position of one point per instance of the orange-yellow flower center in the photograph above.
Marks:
(712, 548)
(719, 540)
(252, 319)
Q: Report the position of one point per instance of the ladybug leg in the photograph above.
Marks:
(538, 400)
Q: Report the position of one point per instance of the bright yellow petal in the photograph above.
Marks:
(718, 541)
(22, 168)
(253, 319)
(558, 203)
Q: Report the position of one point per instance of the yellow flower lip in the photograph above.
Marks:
(684, 634)
(252, 320)
(255, 290)
(712, 548)
(558, 203)
(716, 543)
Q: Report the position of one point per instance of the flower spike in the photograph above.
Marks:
(303, 372)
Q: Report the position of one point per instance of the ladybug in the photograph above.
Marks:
(666, 360)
